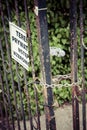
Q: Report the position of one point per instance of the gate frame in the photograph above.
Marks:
(41, 18)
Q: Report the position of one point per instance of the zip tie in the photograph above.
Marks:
(36, 10)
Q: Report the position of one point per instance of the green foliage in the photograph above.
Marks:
(62, 95)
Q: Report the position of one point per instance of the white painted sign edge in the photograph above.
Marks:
(18, 28)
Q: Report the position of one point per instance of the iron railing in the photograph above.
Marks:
(15, 87)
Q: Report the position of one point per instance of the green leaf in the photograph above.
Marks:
(64, 41)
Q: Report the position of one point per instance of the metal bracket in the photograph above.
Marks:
(36, 10)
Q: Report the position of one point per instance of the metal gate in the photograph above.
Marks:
(16, 83)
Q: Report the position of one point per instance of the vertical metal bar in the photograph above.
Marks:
(32, 62)
(14, 92)
(8, 10)
(82, 67)
(8, 54)
(17, 13)
(7, 87)
(28, 98)
(3, 98)
(1, 115)
(1, 112)
(40, 10)
(73, 40)
(29, 37)
(22, 107)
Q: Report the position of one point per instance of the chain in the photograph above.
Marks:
(58, 78)
(60, 85)
(55, 83)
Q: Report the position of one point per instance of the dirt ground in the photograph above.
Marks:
(63, 117)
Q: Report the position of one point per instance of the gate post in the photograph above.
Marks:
(73, 36)
(40, 11)
(82, 66)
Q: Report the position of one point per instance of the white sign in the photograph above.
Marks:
(19, 45)
(54, 51)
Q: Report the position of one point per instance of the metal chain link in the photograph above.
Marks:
(58, 78)
(55, 83)
(60, 85)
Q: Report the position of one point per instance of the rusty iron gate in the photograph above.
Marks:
(16, 82)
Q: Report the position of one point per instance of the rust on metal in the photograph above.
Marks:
(42, 28)
(74, 70)
(82, 66)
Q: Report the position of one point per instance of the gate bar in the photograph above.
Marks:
(28, 99)
(14, 92)
(32, 64)
(6, 82)
(3, 92)
(19, 87)
(82, 67)
(73, 42)
(40, 11)
(9, 59)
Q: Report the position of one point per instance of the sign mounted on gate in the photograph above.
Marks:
(19, 45)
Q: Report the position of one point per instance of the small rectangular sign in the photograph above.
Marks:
(19, 45)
